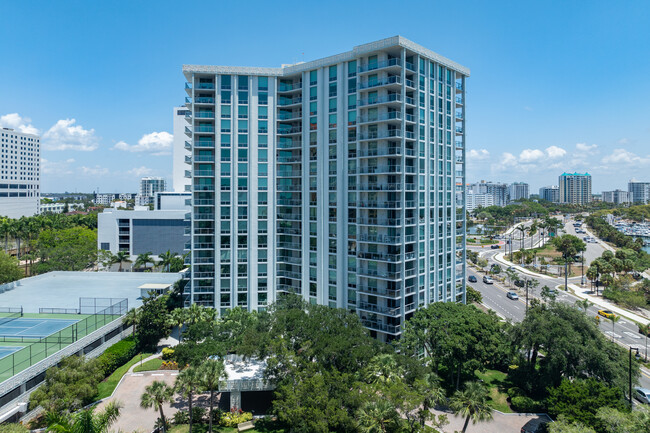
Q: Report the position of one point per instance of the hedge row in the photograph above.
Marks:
(117, 355)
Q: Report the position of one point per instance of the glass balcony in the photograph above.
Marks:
(205, 86)
(382, 327)
(385, 169)
(204, 115)
(203, 158)
(383, 310)
(289, 87)
(394, 62)
(393, 97)
(204, 128)
(204, 144)
(285, 102)
(391, 80)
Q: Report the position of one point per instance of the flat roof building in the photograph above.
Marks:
(20, 173)
(640, 191)
(333, 179)
(617, 197)
(575, 188)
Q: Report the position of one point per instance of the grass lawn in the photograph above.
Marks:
(105, 388)
(152, 364)
(498, 385)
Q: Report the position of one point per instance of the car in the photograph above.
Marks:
(606, 313)
(520, 283)
(512, 295)
(488, 280)
(511, 269)
(472, 279)
(495, 246)
(642, 394)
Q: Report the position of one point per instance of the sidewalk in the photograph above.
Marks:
(501, 259)
(583, 293)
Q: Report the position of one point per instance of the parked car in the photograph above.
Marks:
(488, 280)
(495, 246)
(512, 295)
(642, 394)
(472, 279)
(606, 313)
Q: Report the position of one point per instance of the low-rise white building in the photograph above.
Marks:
(617, 197)
(59, 207)
(475, 201)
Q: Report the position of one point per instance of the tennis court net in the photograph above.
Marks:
(7, 314)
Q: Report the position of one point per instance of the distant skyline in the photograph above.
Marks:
(555, 86)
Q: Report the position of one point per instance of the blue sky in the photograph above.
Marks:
(556, 85)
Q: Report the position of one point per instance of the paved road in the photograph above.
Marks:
(625, 332)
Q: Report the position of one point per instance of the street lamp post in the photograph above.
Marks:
(636, 349)
(582, 271)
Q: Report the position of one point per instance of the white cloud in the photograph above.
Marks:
(623, 157)
(531, 155)
(57, 168)
(65, 135)
(14, 121)
(140, 171)
(589, 149)
(94, 171)
(554, 152)
(479, 155)
(157, 143)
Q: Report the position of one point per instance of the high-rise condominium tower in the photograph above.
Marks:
(640, 191)
(333, 179)
(575, 188)
(20, 173)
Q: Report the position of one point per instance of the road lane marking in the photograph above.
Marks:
(610, 333)
(157, 374)
(632, 335)
(137, 374)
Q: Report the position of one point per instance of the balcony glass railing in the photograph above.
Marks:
(205, 86)
(393, 79)
(380, 65)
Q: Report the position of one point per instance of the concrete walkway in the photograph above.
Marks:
(501, 422)
(585, 293)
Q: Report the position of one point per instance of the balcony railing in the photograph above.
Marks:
(387, 311)
(382, 327)
(205, 86)
(393, 97)
(380, 65)
(393, 79)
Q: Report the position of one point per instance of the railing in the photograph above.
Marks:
(380, 169)
(393, 79)
(393, 97)
(285, 87)
(203, 100)
(205, 86)
(393, 115)
(380, 65)
(391, 329)
(283, 102)
(386, 151)
(388, 311)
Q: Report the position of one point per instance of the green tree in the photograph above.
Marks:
(212, 374)
(143, 260)
(579, 400)
(378, 416)
(547, 294)
(72, 249)
(645, 330)
(69, 386)
(564, 426)
(473, 295)
(471, 403)
(153, 323)
(132, 318)
(13, 428)
(187, 383)
(458, 337)
(121, 257)
(584, 304)
(83, 421)
(9, 268)
(613, 319)
(155, 396)
(616, 421)
(382, 369)
(569, 246)
(166, 260)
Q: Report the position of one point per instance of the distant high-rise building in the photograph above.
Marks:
(550, 193)
(617, 197)
(333, 179)
(498, 190)
(475, 201)
(518, 190)
(640, 191)
(149, 186)
(180, 150)
(575, 188)
(20, 173)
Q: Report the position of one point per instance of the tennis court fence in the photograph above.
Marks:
(38, 348)
(7, 314)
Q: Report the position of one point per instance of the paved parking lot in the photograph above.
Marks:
(501, 423)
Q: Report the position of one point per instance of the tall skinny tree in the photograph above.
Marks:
(645, 329)
(613, 319)
(84, 421)
(471, 403)
(213, 374)
(155, 396)
(187, 383)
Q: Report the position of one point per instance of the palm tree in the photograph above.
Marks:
(382, 369)
(155, 396)
(645, 330)
(179, 317)
(432, 394)
(213, 374)
(584, 304)
(166, 259)
(377, 416)
(4, 231)
(84, 421)
(132, 318)
(612, 318)
(121, 257)
(187, 383)
(472, 404)
(143, 260)
(522, 229)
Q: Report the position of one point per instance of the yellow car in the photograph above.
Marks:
(606, 313)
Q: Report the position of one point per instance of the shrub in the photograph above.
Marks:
(169, 365)
(525, 404)
(234, 417)
(181, 417)
(167, 353)
(118, 354)
(515, 391)
(198, 414)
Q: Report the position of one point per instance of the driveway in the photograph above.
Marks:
(501, 422)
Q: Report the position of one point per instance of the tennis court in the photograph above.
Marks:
(6, 351)
(37, 328)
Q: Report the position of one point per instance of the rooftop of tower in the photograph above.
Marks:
(359, 50)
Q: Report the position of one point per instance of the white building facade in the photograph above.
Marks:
(550, 193)
(334, 179)
(499, 191)
(20, 173)
(517, 191)
(149, 186)
(475, 201)
(180, 152)
(617, 197)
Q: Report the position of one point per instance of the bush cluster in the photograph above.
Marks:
(234, 417)
(167, 353)
(118, 354)
(525, 404)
